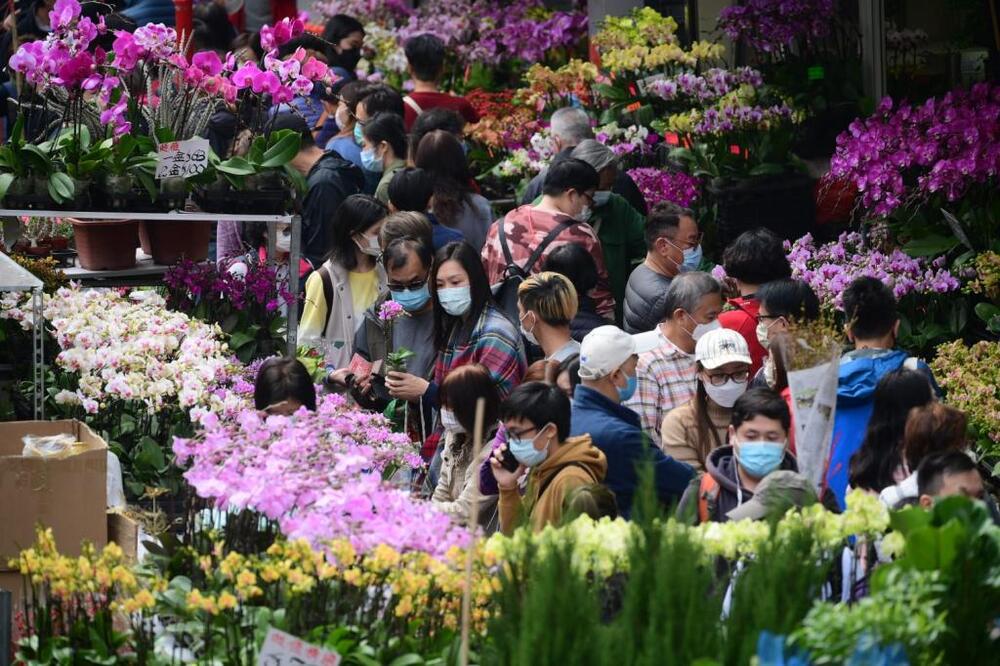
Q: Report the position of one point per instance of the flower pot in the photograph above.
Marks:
(105, 244)
(784, 204)
(57, 242)
(21, 186)
(81, 193)
(39, 250)
(169, 242)
(265, 180)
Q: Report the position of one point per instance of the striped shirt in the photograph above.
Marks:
(666, 377)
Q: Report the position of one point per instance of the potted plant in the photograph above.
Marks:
(15, 177)
(33, 231)
(51, 182)
(131, 162)
(82, 158)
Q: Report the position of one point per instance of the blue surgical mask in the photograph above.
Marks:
(692, 259)
(371, 163)
(456, 301)
(524, 450)
(759, 458)
(601, 198)
(631, 381)
(412, 299)
(359, 136)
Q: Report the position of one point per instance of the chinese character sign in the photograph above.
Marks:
(281, 649)
(182, 158)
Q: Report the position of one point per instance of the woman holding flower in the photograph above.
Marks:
(347, 283)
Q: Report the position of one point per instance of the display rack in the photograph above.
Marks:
(15, 278)
(156, 277)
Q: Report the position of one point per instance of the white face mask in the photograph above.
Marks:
(369, 246)
(528, 335)
(449, 422)
(283, 241)
(584, 214)
(702, 329)
(601, 198)
(762, 334)
(727, 394)
(343, 117)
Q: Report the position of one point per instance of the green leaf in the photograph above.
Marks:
(930, 246)
(149, 183)
(767, 169)
(282, 151)
(5, 181)
(407, 660)
(61, 187)
(239, 339)
(909, 519)
(298, 180)
(237, 166)
(987, 311)
(150, 455)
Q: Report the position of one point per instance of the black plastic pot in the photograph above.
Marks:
(784, 204)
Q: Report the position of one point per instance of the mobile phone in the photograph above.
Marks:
(509, 462)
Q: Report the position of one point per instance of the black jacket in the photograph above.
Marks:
(624, 185)
(645, 297)
(331, 180)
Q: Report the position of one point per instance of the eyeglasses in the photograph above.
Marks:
(761, 318)
(740, 377)
(514, 434)
(411, 286)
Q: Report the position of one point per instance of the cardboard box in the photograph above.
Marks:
(67, 494)
(125, 532)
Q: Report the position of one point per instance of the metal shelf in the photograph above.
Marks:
(173, 216)
(294, 254)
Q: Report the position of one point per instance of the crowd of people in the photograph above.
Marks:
(575, 339)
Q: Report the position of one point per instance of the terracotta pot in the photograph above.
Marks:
(57, 242)
(39, 250)
(169, 242)
(105, 244)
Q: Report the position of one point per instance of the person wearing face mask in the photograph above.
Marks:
(608, 358)
(693, 430)
(754, 259)
(667, 374)
(468, 328)
(345, 36)
(619, 226)
(546, 304)
(384, 150)
(550, 462)
(455, 489)
(347, 283)
(780, 303)
(338, 135)
(673, 244)
(533, 231)
(758, 436)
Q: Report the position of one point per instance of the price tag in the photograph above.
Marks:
(281, 649)
(182, 158)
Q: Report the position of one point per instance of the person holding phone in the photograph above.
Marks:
(541, 455)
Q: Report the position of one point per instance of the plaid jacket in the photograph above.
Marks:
(525, 228)
(666, 378)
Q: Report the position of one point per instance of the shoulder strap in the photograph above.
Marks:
(708, 493)
(324, 275)
(548, 482)
(412, 103)
(534, 257)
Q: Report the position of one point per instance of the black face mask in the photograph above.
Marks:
(348, 58)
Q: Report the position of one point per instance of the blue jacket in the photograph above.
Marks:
(615, 430)
(859, 375)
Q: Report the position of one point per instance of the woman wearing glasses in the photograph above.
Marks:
(693, 430)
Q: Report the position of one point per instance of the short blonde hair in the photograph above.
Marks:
(551, 295)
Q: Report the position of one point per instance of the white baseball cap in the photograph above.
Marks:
(606, 348)
(721, 346)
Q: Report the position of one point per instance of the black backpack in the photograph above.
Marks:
(514, 275)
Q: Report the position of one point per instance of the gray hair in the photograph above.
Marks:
(686, 291)
(572, 125)
(595, 154)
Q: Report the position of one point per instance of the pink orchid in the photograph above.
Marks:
(315, 70)
(265, 82)
(63, 13)
(301, 86)
(76, 70)
(28, 57)
(283, 94)
(212, 85)
(229, 92)
(244, 76)
(127, 51)
(208, 62)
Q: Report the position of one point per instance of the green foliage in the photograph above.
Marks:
(908, 610)
(960, 542)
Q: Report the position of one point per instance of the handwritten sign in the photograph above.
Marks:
(182, 158)
(281, 649)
